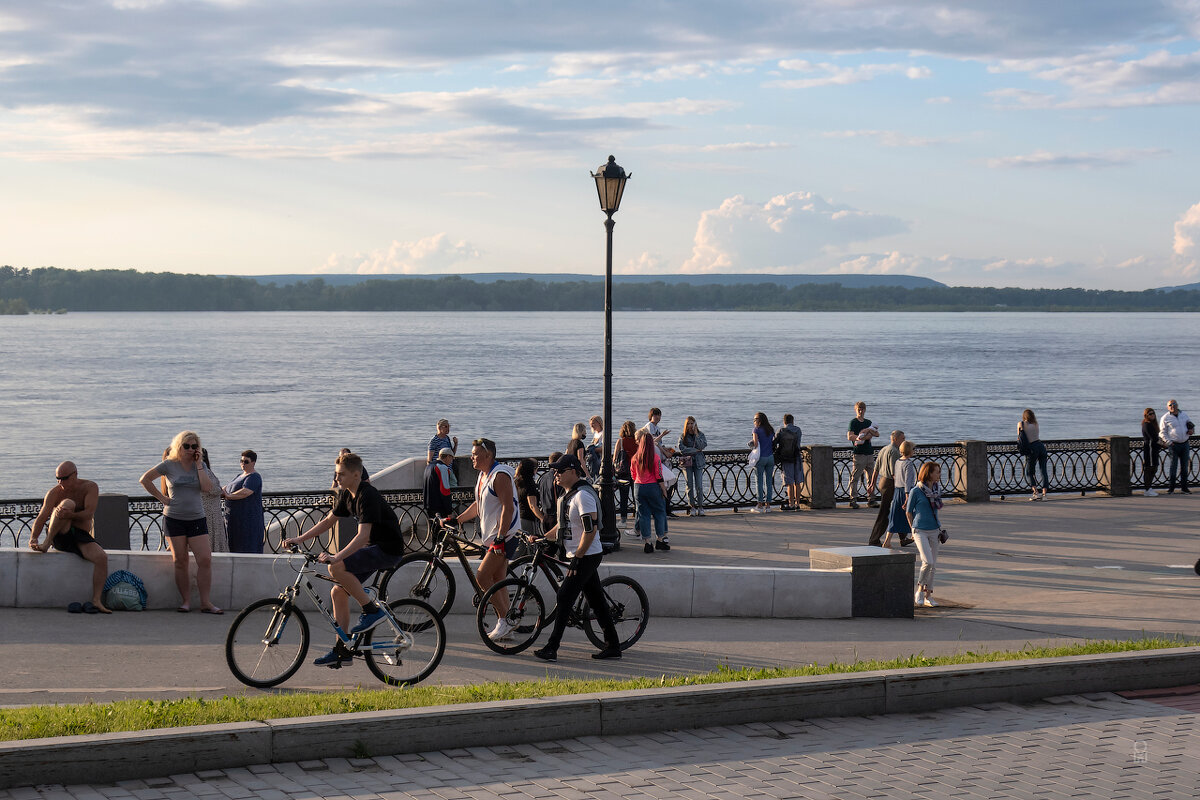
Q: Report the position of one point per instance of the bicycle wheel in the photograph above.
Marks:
(409, 650)
(421, 576)
(526, 613)
(630, 611)
(546, 580)
(266, 643)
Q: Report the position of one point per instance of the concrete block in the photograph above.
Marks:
(51, 579)
(812, 594)
(882, 580)
(668, 588)
(157, 572)
(111, 757)
(684, 707)
(8, 580)
(733, 592)
(1033, 679)
(385, 733)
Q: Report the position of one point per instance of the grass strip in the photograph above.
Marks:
(35, 722)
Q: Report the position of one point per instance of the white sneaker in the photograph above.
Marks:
(930, 602)
(756, 510)
(699, 512)
(1150, 493)
(766, 509)
(503, 630)
(919, 599)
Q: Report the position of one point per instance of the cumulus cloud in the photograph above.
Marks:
(1187, 229)
(785, 231)
(1043, 159)
(433, 254)
(645, 264)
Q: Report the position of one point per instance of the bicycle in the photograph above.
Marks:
(269, 639)
(428, 576)
(627, 603)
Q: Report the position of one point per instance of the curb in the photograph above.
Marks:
(107, 758)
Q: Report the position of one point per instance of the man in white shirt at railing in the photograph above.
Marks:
(1175, 428)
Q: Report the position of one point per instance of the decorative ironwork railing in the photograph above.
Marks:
(729, 482)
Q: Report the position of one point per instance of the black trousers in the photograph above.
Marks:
(885, 512)
(582, 577)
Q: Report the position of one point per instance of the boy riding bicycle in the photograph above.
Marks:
(378, 545)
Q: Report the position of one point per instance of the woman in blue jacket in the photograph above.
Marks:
(921, 510)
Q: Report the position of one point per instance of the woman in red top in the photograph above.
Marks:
(651, 496)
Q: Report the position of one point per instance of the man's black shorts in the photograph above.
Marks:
(69, 540)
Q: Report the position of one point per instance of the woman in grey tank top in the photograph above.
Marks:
(184, 524)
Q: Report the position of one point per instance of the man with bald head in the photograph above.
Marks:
(66, 515)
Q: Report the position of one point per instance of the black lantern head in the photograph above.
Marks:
(610, 185)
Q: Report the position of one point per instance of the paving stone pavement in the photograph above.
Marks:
(1083, 746)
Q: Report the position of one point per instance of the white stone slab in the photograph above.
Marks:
(812, 594)
(668, 587)
(733, 592)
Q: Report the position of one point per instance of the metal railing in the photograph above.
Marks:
(1074, 465)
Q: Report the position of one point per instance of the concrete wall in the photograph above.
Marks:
(52, 580)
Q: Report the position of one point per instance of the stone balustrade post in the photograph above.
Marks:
(111, 521)
(973, 472)
(819, 482)
(1114, 466)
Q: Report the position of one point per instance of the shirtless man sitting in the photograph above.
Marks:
(69, 508)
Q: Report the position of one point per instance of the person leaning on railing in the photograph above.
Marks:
(1175, 430)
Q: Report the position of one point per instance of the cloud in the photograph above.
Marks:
(1111, 77)
(1043, 159)
(645, 264)
(785, 231)
(433, 254)
(885, 138)
(827, 74)
(1187, 229)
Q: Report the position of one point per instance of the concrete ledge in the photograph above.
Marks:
(125, 756)
(52, 580)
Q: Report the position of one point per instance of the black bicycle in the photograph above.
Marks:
(528, 612)
(427, 576)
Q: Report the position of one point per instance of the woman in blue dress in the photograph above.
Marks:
(244, 508)
(906, 481)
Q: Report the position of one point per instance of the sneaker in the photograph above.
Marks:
(699, 512)
(607, 652)
(930, 602)
(368, 621)
(1034, 499)
(756, 510)
(767, 509)
(1150, 493)
(632, 533)
(334, 658)
(785, 507)
(662, 544)
(546, 654)
(853, 504)
(649, 548)
(919, 599)
(873, 504)
(503, 630)
(1186, 491)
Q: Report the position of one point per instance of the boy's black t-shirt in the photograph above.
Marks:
(369, 506)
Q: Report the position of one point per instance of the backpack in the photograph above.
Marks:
(593, 460)
(621, 465)
(548, 497)
(785, 446)
(1023, 446)
(124, 591)
(581, 486)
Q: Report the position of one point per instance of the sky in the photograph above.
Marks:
(1043, 143)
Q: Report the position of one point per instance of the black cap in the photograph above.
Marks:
(567, 462)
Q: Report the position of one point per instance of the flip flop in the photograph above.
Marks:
(90, 608)
(183, 610)
(75, 608)
(213, 610)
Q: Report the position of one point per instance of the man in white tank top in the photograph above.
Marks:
(499, 521)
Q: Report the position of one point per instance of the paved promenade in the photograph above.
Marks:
(1094, 746)
(1014, 572)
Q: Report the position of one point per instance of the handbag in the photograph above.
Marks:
(685, 462)
(752, 459)
(669, 476)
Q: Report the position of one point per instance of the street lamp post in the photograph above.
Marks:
(610, 185)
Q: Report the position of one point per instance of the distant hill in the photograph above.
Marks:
(1187, 287)
(850, 281)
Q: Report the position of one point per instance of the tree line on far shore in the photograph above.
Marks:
(128, 290)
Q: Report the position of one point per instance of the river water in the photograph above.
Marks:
(108, 391)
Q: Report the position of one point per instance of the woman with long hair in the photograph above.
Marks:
(576, 447)
(185, 526)
(1035, 454)
(906, 481)
(921, 509)
(651, 497)
(623, 453)
(527, 497)
(691, 460)
(764, 468)
(595, 450)
(1151, 446)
